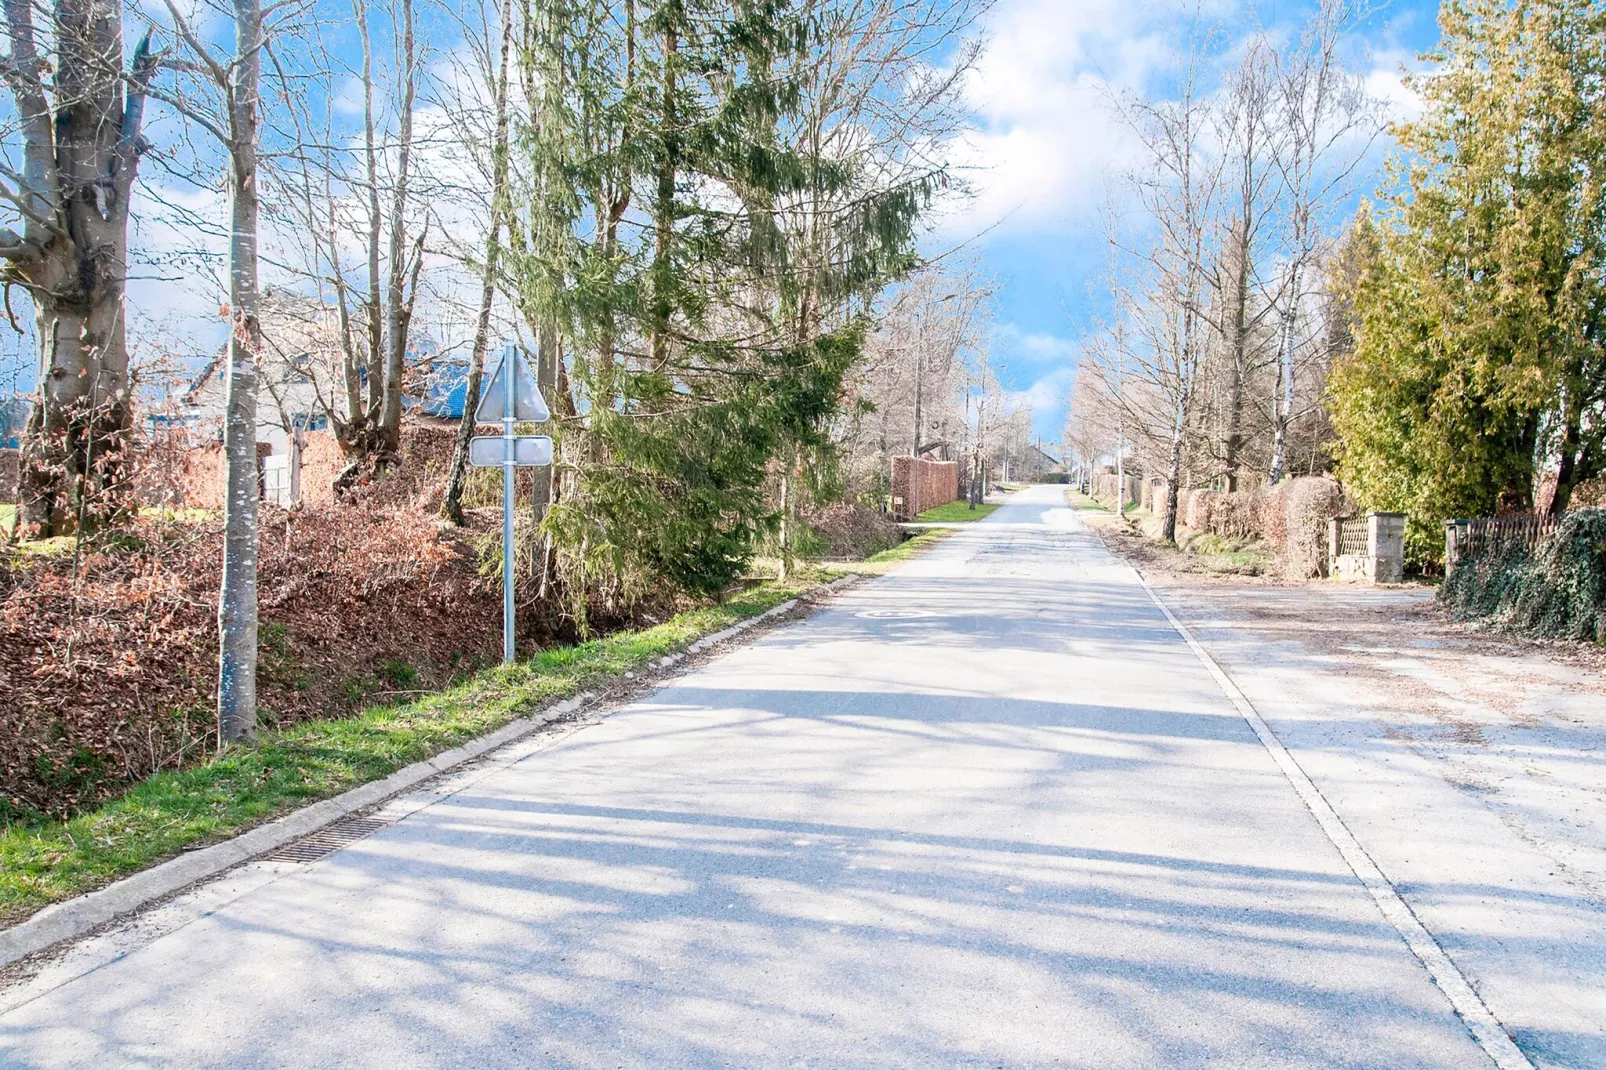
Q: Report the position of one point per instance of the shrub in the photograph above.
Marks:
(1195, 509)
(107, 669)
(1308, 504)
(1266, 506)
(1290, 518)
(851, 531)
(1557, 589)
(1232, 515)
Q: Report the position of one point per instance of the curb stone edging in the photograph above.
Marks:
(76, 917)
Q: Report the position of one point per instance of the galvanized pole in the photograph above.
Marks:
(509, 444)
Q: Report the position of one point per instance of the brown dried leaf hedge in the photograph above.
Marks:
(107, 659)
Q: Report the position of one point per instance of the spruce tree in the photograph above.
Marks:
(707, 335)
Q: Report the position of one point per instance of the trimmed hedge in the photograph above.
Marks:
(1291, 517)
(1557, 589)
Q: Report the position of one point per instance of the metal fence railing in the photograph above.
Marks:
(1352, 536)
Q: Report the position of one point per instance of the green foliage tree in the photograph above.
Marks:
(1479, 313)
(706, 337)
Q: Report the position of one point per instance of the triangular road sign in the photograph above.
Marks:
(528, 405)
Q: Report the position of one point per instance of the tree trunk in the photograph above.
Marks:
(664, 208)
(785, 535)
(371, 321)
(452, 503)
(237, 604)
(1283, 403)
(1567, 471)
(398, 305)
(1168, 523)
(80, 159)
(546, 378)
(1240, 356)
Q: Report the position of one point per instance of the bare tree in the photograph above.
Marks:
(78, 119)
(1328, 123)
(232, 116)
(1177, 189)
(930, 329)
(336, 184)
(452, 503)
(1245, 130)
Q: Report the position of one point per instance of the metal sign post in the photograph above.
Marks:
(511, 398)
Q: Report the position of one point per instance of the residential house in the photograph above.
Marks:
(301, 379)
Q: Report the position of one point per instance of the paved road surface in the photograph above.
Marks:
(987, 811)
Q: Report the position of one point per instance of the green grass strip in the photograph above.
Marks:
(43, 861)
(887, 560)
(955, 513)
(1087, 502)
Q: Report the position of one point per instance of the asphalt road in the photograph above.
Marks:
(987, 811)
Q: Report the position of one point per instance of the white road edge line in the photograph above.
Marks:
(1480, 1021)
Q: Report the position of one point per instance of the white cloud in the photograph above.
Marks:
(1045, 137)
(1017, 348)
(1048, 398)
(1048, 363)
(1385, 81)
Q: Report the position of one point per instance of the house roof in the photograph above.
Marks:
(445, 393)
(302, 339)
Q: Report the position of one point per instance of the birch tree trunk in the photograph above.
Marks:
(1283, 402)
(237, 604)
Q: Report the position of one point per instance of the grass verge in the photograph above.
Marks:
(887, 560)
(955, 513)
(43, 861)
(1221, 556)
(1086, 502)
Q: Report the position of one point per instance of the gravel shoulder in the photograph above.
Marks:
(1472, 764)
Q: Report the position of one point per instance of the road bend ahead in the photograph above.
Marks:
(987, 811)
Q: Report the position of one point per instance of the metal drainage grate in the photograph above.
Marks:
(326, 841)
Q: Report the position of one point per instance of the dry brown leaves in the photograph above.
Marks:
(107, 659)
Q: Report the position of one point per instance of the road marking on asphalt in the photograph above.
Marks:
(1480, 1021)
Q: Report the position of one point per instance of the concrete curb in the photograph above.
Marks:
(66, 920)
(78, 916)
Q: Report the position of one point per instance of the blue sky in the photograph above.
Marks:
(1043, 152)
(1045, 147)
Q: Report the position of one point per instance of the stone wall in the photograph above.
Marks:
(1291, 517)
(939, 485)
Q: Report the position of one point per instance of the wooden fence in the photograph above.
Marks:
(1463, 538)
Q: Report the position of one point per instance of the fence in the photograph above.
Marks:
(914, 490)
(1462, 538)
(1352, 536)
(1369, 549)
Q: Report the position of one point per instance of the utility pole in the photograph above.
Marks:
(1120, 424)
(914, 447)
